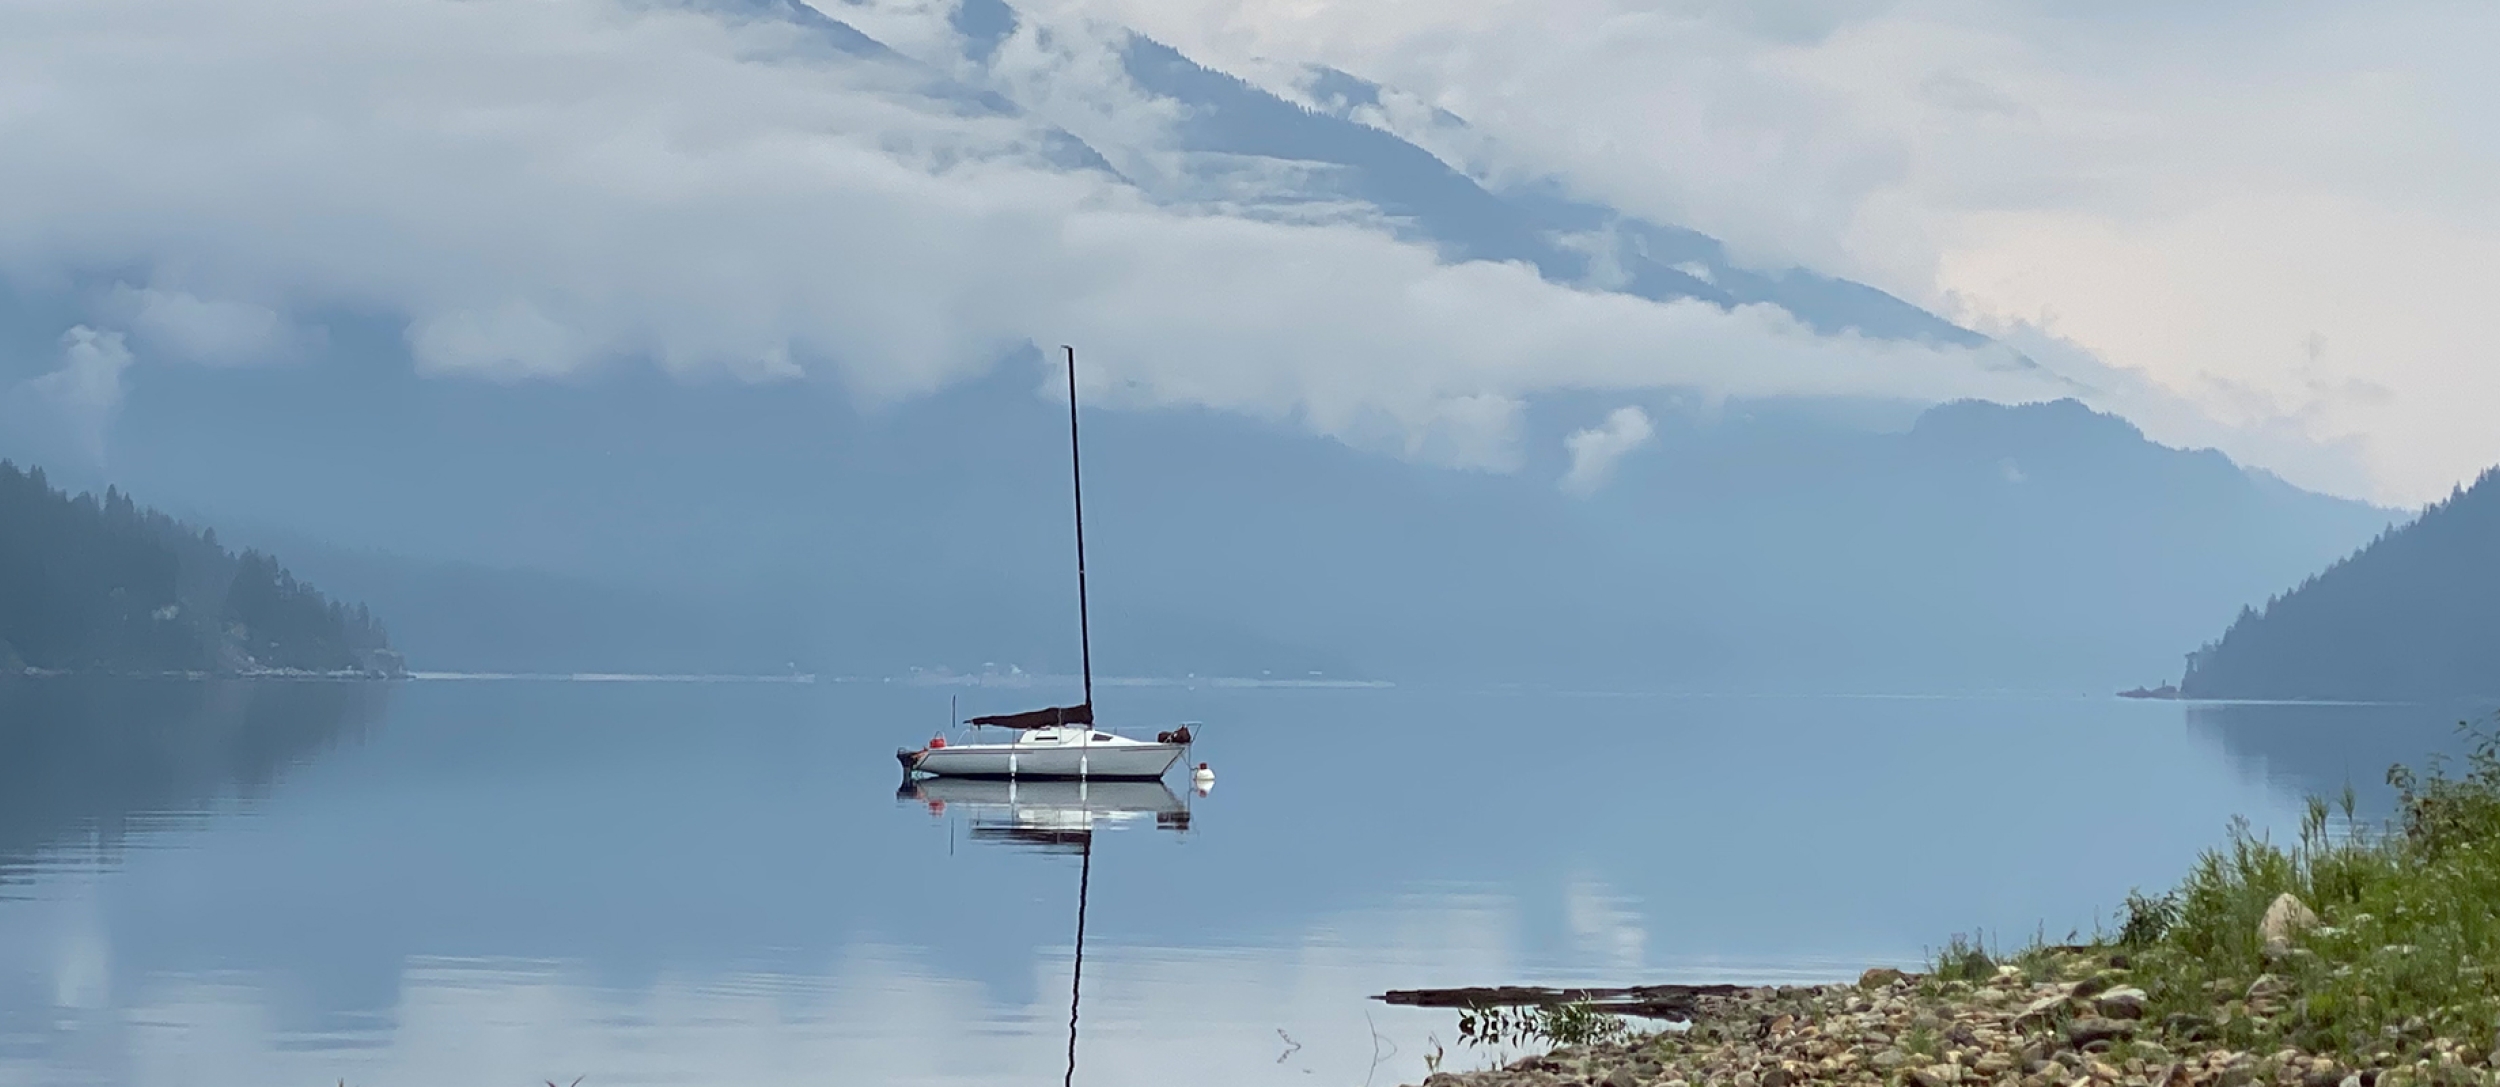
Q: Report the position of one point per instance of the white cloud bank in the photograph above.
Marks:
(545, 187)
(1595, 450)
(78, 400)
(184, 326)
(2193, 193)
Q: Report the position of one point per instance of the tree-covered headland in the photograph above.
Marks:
(94, 583)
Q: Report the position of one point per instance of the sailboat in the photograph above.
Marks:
(1057, 741)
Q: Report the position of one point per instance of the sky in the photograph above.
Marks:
(2257, 227)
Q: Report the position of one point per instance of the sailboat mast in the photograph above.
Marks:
(1076, 471)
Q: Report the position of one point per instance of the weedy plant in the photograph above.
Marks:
(2405, 949)
(1545, 1024)
(2149, 918)
(1964, 958)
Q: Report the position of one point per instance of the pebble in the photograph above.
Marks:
(1892, 1029)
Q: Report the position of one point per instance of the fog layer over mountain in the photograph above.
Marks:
(704, 337)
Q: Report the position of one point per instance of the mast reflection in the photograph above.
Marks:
(1053, 817)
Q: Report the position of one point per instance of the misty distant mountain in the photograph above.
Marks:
(457, 616)
(624, 519)
(2413, 616)
(97, 583)
(1747, 546)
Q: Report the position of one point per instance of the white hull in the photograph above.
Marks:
(1137, 761)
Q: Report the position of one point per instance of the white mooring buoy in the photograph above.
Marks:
(1203, 778)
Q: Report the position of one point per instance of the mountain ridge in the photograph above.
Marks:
(1423, 197)
(1744, 544)
(2410, 615)
(96, 583)
(1738, 541)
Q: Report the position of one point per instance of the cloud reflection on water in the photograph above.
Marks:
(678, 883)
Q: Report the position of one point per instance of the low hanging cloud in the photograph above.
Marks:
(2189, 191)
(550, 187)
(179, 325)
(78, 400)
(1595, 450)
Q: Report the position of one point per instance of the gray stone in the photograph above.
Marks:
(2125, 1003)
(1622, 1077)
(2091, 1029)
(2043, 1008)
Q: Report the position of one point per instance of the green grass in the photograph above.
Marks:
(2403, 967)
(2401, 973)
(1964, 958)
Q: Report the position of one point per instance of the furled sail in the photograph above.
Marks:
(1080, 714)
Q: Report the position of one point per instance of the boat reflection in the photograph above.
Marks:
(1051, 816)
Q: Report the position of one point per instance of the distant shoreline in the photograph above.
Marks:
(341, 675)
(2170, 694)
(610, 677)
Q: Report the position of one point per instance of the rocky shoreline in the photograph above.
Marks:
(2075, 1022)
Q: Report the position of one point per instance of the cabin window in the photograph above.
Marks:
(1100, 738)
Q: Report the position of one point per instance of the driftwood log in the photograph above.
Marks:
(1671, 1002)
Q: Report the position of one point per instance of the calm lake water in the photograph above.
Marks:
(518, 881)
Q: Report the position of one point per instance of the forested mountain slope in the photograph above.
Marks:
(2415, 615)
(101, 584)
